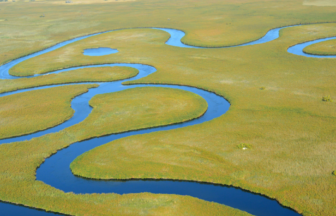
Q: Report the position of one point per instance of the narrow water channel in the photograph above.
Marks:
(55, 170)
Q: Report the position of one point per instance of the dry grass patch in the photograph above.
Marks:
(322, 3)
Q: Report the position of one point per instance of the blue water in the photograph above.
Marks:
(177, 35)
(80, 104)
(55, 170)
(298, 49)
(101, 51)
(10, 209)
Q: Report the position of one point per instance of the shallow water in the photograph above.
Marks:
(55, 170)
(11, 209)
(101, 51)
(177, 35)
(298, 49)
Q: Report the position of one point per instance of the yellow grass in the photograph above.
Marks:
(76, 2)
(72, 2)
(99, 74)
(27, 112)
(285, 123)
(291, 129)
(323, 48)
(25, 156)
(138, 108)
(32, 111)
(210, 23)
(320, 3)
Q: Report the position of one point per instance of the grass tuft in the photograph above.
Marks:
(327, 98)
(244, 146)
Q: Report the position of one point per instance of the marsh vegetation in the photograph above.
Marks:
(323, 48)
(291, 130)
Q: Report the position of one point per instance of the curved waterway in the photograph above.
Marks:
(298, 48)
(55, 170)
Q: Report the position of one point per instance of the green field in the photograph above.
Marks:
(276, 103)
(323, 48)
(20, 114)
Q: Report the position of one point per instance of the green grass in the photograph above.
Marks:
(37, 110)
(209, 23)
(99, 74)
(322, 3)
(291, 129)
(327, 98)
(25, 156)
(244, 146)
(32, 111)
(322, 48)
(139, 108)
(282, 122)
(134, 109)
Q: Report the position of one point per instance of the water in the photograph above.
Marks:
(298, 49)
(55, 170)
(101, 51)
(177, 35)
(80, 104)
(10, 209)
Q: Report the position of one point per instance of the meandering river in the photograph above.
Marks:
(55, 170)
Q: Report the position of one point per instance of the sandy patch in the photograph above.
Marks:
(319, 2)
(66, 56)
(227, 82)
(128, 36)
(199, 57)
(302, 93)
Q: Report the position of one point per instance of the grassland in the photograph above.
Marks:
(139, 108)
(321, 3)
(25, 156)
(323, 48)
(37, 110)
(282, 122)
(208, 23)
(98, 74)
(32, 111)
(72, 2)
(76, 2)
(145, 107)
(291, 129)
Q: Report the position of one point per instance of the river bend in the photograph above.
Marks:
(55, 170)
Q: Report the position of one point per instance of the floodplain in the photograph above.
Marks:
(277, 139)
